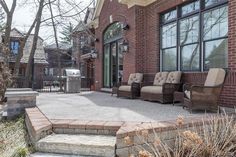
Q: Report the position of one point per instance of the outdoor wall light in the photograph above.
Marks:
(94, 54)
(96, 40)
(125, 46)
(125, 26)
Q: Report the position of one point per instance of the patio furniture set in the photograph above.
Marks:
(167, 88)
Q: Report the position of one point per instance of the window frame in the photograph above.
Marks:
(200, 13)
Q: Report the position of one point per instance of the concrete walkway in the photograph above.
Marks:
(103, 107)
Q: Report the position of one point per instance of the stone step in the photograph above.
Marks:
(81, 144)
(54, 155)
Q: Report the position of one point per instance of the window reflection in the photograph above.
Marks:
(211, 2)
(190, 8)
(169, 35)
(106, 66)
(190, 57)
(169, 59)
(113, 31)
(189, 30)
(169, 16)
(216, 23)
(216, 54)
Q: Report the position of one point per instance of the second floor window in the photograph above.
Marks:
(15, 46)
(82, 42)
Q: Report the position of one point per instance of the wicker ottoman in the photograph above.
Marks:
(178, 97)
(114, 90)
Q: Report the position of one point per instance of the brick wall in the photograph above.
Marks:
(232, 35)
(152, 63)
(144, 51)
(119, 12)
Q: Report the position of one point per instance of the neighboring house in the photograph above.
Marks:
(83, 50)
(65, 59)
(39, 57)
(162, 35)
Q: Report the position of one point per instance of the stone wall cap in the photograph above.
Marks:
(9, 94)
(18, 89)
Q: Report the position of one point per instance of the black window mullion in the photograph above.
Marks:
(219, 38)
(178, 55)
(201, 23)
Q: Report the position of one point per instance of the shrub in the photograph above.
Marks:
(14, 140)
(5, 79)
(21, 152)
(215, 138)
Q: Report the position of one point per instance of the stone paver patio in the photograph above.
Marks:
(98, 106)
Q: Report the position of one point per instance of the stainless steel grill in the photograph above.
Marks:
(72, 79)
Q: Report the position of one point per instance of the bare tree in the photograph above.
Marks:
(57, 44)
(22, 46)
(28, 73)
(9, 14)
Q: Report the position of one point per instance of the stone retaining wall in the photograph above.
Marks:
(142, 133)
(18, 101)
(39, 126)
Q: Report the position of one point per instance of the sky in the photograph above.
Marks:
(26, 10)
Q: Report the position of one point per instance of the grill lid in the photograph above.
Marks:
(72, 72)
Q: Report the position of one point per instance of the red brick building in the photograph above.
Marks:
(83, 50)
(166, 35)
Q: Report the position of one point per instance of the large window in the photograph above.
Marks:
(194, 36)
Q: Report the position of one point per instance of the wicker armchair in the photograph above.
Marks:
(205, 97)
(131, 89)
(162, 88)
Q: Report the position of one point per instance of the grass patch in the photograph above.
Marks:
(14, 141)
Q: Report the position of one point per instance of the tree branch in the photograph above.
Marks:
(13, 6)
(4, 5)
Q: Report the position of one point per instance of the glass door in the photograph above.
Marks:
(120, 62)
(113, 63)
(106, 66)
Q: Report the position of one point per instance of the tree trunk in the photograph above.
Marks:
(28, 74)
(7, 36)
(57, 44)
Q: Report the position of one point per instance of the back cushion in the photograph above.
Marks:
(215, 76)
(160, 78)
(174, 77)
(137, 78)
